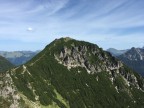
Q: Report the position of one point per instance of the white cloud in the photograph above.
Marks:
(30, 29)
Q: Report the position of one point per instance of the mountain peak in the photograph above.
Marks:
(64, 38)
(67, 38)
(134, 58)
(77, 74)
(134, 49)
(134, 54)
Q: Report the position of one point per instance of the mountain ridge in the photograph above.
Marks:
(74, 74)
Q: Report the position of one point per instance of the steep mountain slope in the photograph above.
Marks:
(4, 81)
(76, 74)
(18, 57)
(4, 64)
(116, 52)
(134, 58)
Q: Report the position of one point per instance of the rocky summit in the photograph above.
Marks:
(72, 74)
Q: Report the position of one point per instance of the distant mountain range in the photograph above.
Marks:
(72, 74)
(116, 52)
(134, 58)
(18, 57)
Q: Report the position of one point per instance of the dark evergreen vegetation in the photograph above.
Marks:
(5, 64)
(78, 89)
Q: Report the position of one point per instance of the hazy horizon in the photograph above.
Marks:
(32, 24)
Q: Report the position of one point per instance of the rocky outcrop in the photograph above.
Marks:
(8, 91)
(95, 60)
(83, 56)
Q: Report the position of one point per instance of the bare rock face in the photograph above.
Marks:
(81, 55)
(8, 91)
(95, 60)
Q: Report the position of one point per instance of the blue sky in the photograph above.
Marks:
(32, 24)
